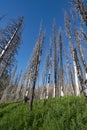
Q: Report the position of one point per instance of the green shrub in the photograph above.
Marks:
(65, 113)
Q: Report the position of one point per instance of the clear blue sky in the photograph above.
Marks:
(34, 11)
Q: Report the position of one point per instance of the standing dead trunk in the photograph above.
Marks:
(77, 91)
(60, 63)
(35, 63)
(55, 59)
(68, 30)
(7, 92)
(81, 9)
(32, 94)
(81, 52)
(10, 40)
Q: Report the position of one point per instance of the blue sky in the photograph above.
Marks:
(34, 11)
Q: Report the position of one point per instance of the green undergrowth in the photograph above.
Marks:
(65, 113)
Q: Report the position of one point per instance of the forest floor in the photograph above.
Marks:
(65, 113)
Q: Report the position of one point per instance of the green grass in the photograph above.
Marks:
(66, 113)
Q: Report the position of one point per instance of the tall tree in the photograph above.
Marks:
(68, 31)
(81, 52)
(7, 92)
(81, 9)
(83, 83)
(60, 62)
(46, 76)
(55, 58)
(35, 63)
(11, 43)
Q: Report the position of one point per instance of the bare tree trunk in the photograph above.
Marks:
(81, 9)
(10, 40)
(55, 59)
(82, 82)
(67, 24)
(7, 92)
(77, 92)
(72, 78)
(60, 63)
(35, 63)
(32, 94)
(81, 52)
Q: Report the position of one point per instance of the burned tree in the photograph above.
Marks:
(68, 31)
(81, 9)
(55, 59)
(35, 63)
(60, 63)
(19, 95)
(80, 52)
(11, 43)
(46, 77)
(83, 82)
(7, 92)
(47, 72)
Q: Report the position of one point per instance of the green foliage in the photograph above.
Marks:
(65, 113)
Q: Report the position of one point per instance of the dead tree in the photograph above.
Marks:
(16, 83)
(47, 72)
(81, 9)
(17, 78)
(46, 76)
(7, 92)
(16, 28)
(50, 67)
(43, 85)
(10, 54)
(55, 58)
(80, 52)
(70, 72)
(13, 75)
(83, 82)
(35, 63)
(24, 83)
(11, 41)
(7, 51)
(68, 80)
(60, 63)
(28, 77)
(68, 31)
(19, 95)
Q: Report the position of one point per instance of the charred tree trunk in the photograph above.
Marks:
(10, 40)
(60, 64)
(81, 52)
(8, 52)
(68, 30)
(55, 59)
(81, 9)
(35, 63)
(32, 92)
(7, 92)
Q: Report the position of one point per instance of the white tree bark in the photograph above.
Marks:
(77, 91)
(54, 91)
